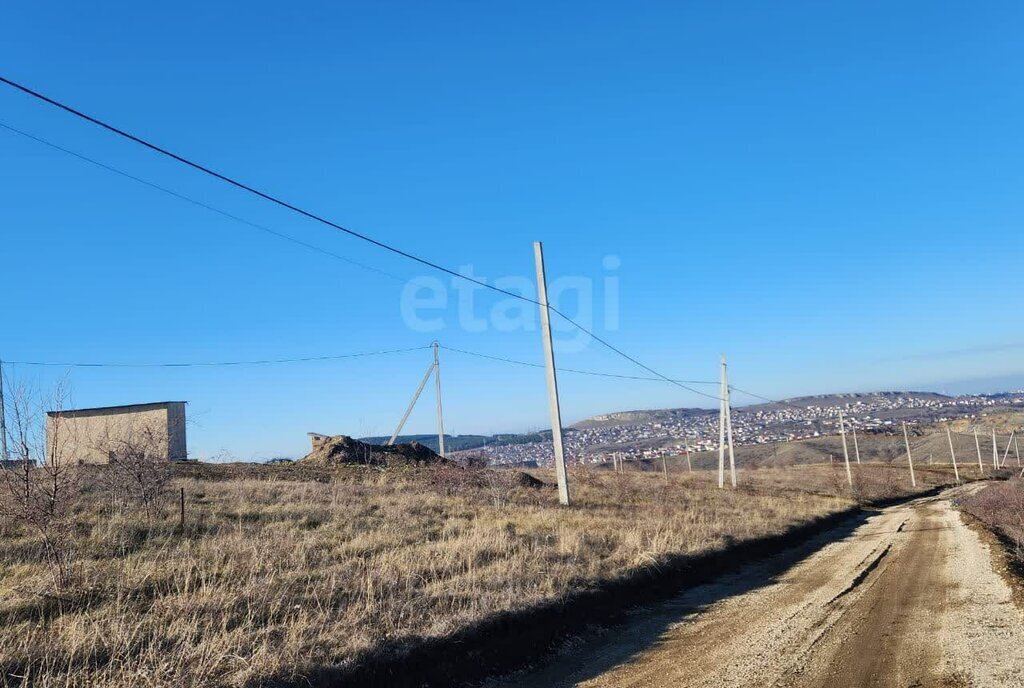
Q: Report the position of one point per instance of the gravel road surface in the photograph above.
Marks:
(909, 598)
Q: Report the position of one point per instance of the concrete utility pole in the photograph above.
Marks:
(689, 466)
(995, 451)
(440, 414)
(3, 419)
(549, 363)
(846, 452)
(412, 404)
(977, 445)
(910, 459)
(856, 449)
(952, 452)
(1006, 454)
(725, 428)
(1016, 449)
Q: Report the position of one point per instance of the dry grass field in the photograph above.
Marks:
(278, 572)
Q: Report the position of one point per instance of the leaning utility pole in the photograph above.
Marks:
(435, 369)
(725, 428)
(977, 445)
(952, 452)
(3, 418)
(1006, 454)
(910, 459)
(856, 449)
(846, 452)
(440, 414)
(412, 404)
(549, 362)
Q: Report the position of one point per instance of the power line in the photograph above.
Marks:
(194, 202)
(573, 370)
(768, 399)
(250, 189)
(213, 364)
(318, 218)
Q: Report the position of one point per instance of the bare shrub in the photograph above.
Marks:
(1001, 506)
(138, 472)
(41, 487)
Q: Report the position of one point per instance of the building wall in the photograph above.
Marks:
(90, 436)
(177, 447)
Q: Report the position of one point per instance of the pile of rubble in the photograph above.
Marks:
(340, 450)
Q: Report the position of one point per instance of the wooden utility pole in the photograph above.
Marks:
(440, 413)
(846, 452)
(952, 453)
(856, 449)
(549, 363)
(910, 459)
(664, 466)
(977, 445)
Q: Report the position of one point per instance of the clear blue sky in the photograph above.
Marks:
(831, 195)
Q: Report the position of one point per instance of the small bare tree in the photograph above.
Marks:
(41, 483)
(138, 471)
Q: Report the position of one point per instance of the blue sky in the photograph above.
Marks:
(830, 195)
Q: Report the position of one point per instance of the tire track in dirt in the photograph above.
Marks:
(907, 599)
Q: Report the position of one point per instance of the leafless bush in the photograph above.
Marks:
(39, 489)
(1001, 506)
(138, 472)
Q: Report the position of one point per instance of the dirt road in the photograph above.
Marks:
(907, 599)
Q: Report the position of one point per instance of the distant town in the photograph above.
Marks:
(636, 435)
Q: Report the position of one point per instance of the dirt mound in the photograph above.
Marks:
(343, 450)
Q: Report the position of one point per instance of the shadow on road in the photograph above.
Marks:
(599, 649)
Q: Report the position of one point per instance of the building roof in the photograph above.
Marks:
(104, 409)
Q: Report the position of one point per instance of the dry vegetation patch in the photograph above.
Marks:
(276, 577)
(1000, 506)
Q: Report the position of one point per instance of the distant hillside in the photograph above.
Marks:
(826, 400)
(610, 420)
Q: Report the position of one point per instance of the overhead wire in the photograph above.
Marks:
(572, 370)
(200, 204)
(210, 364)
(319, 218)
